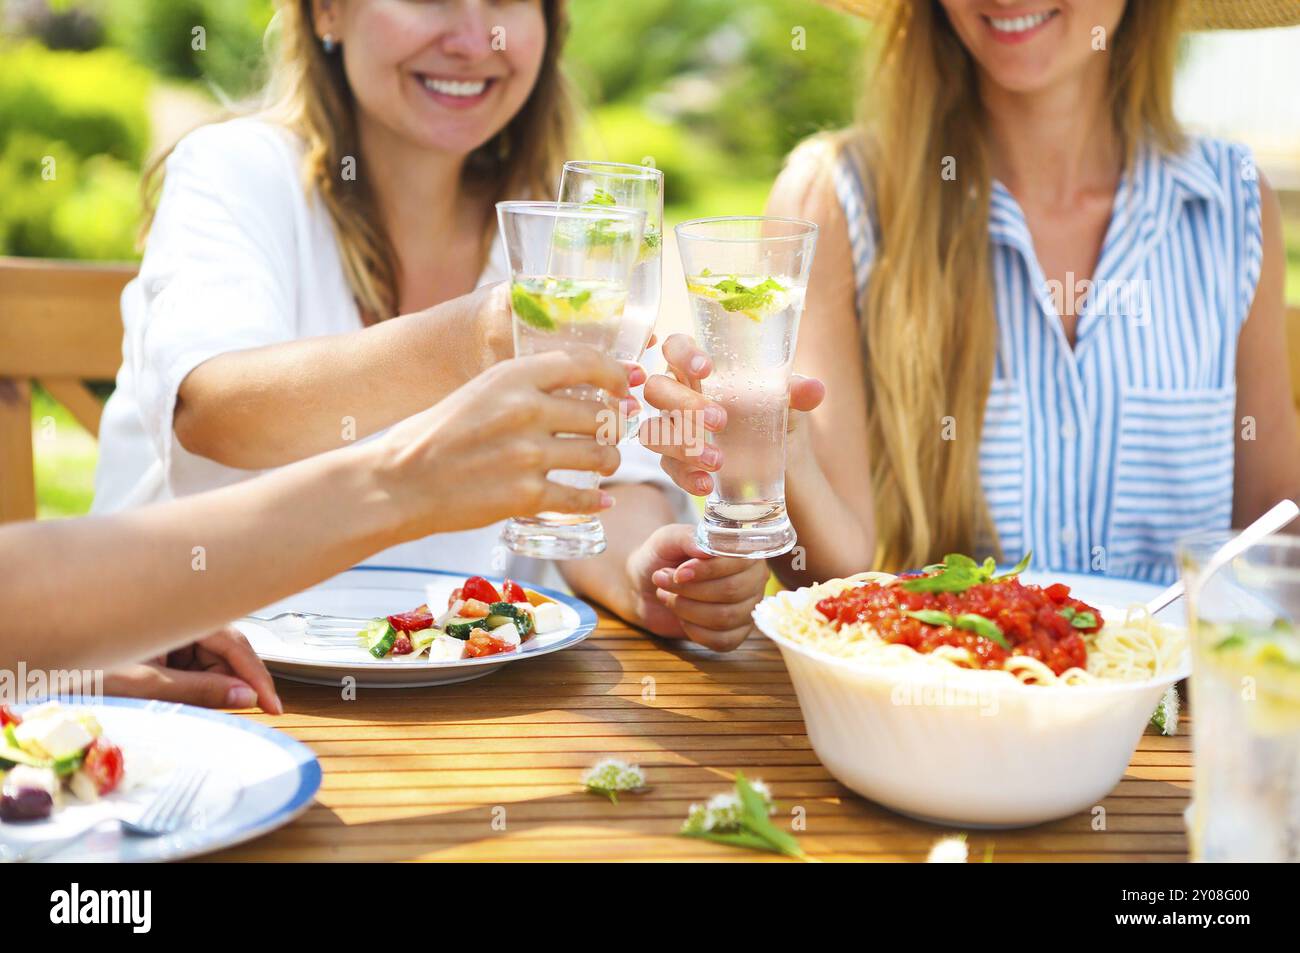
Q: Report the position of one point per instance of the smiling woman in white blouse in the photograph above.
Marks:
(327, 266)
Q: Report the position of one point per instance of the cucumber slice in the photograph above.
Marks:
(499, 613)
(463, 628)
(69, 764)
(11, 755)
(380, 638)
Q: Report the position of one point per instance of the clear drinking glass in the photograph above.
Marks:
(1245, 700)
(746, 278)
(627, 186)
(569, 271)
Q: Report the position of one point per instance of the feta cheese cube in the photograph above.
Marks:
(446, 649)
(507, 632)
(548, 618)
(57, 734)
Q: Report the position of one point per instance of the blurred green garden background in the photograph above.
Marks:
(715, 91)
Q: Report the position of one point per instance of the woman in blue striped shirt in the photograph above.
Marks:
(1045, 318)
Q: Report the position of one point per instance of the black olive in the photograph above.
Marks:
(26, 804)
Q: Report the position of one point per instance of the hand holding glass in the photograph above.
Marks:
(635, 187)
(569, 270)
(746, 278)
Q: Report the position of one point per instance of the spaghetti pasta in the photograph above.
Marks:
(1133, 649)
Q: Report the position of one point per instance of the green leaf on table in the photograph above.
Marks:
(741, 818)
(608, 776)
(1165, 717)
(755, 818)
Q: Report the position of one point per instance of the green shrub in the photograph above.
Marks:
(99, 221)
(36, 176)
(95, 102)
(625, 133)
(762, 76)
(57, 205)
(227, 53)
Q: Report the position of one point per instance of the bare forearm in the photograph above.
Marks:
(269, 406)
(834, 539)
(639, 510)
(99, 591)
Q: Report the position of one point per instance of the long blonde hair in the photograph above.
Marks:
(927, 318)
(308, 93)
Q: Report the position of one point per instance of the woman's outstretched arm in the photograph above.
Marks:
(267, 406)
(100, 591)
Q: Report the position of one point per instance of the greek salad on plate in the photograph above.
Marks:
(52, 754)
(479, 621)
(76, 769)
(413, 627)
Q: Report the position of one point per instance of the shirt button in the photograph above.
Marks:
(1067, 536)
(1067, 431)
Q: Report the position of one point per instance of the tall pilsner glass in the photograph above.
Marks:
(1245, 628)
(746, 278)
(569, 270)
(627, 186)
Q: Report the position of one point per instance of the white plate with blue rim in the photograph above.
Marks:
(366, 592)
(257, 779)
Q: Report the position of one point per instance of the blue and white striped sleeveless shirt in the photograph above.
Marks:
(1099, 457)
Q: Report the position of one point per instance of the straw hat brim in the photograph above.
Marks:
(1201, 14)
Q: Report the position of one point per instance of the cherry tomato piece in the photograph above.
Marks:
(411, 621)
(103, 764)
(476, 587)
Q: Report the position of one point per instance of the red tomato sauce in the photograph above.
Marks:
(1029, 616)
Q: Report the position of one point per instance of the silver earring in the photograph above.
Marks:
(328, 43)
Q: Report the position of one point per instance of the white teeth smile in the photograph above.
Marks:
(1020, 24)
(447, 87)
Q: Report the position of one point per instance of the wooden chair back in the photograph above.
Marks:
(61, 325)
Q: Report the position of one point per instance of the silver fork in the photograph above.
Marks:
(320, 629)
(171, 807)
(164, 815)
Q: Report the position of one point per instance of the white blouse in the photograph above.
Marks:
(239, 256)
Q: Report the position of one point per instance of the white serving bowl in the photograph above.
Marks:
(964, 748)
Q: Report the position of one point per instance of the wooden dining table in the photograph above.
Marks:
(491, 769)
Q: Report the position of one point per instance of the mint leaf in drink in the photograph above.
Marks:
(746, 303)
(529, 310)
(602, 198)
